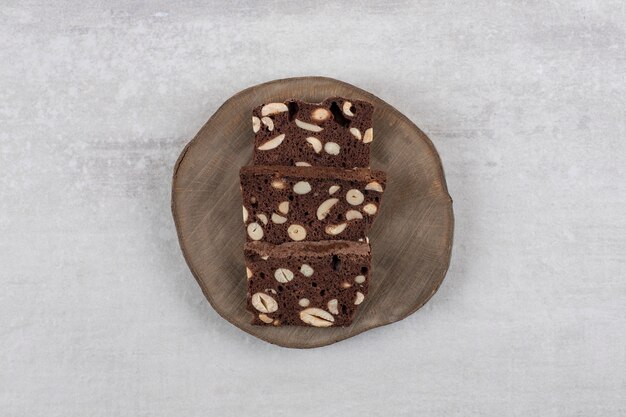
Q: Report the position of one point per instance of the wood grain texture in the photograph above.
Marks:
(411, 241)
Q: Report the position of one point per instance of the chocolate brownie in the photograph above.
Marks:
(316, 284)
(336, 132)
(283, 204)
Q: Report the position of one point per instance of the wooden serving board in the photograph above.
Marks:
(411, 240)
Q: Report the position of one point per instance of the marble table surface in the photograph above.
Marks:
(525, 101)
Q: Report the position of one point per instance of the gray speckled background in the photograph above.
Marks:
(99, 314)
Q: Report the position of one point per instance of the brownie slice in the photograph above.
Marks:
(283, 204)
(336, 132)
(316, 284)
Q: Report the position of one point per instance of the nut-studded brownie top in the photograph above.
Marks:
(336, 132)
(318, 284)
(284, 204)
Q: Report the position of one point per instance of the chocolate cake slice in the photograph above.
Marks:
(336, 132)
(316, 284)
(285, 204)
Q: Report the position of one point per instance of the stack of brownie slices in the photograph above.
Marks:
(309, 201)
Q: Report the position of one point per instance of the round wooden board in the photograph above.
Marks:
(411, 240)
